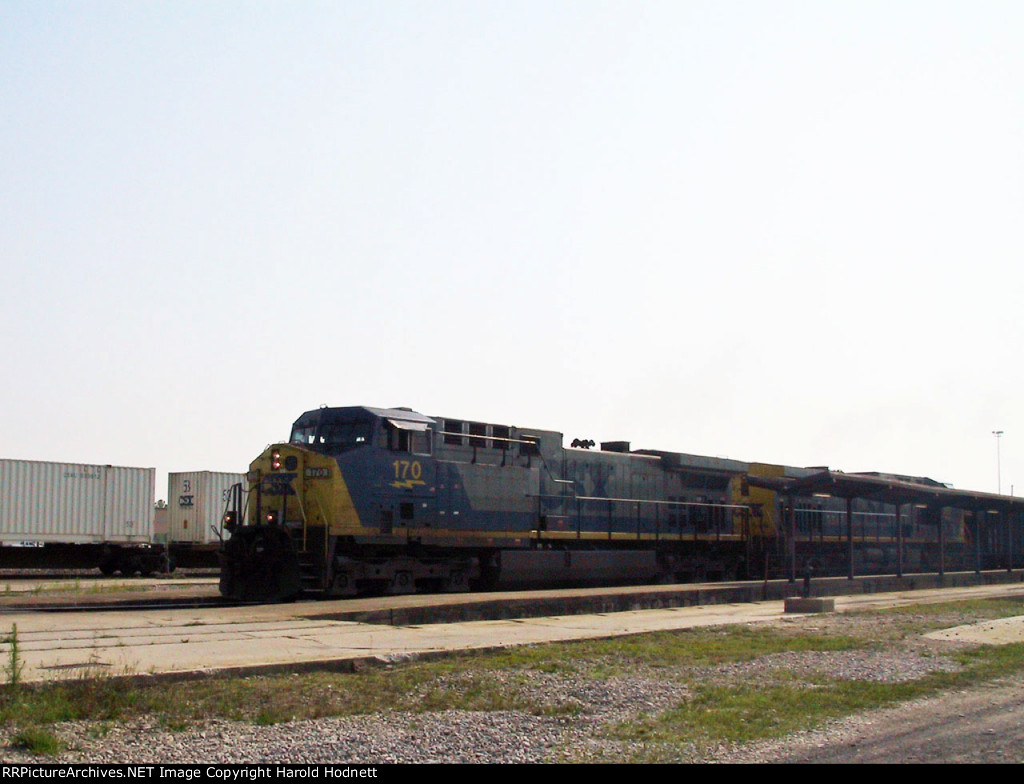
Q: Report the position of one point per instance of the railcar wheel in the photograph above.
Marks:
(129, 566)
(402, 583)
(456, 582)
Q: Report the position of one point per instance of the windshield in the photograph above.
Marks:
(333, 433)
(342, 436)
(303, 435)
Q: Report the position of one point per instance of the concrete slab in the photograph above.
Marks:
(810, 604)
(1001, 632)
(62, 645)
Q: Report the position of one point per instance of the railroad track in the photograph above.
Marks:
(126, 605)
(69, 591)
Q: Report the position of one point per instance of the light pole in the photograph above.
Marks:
(999, 469)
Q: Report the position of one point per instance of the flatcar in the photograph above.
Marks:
(388, 500)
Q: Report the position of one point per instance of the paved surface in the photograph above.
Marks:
(54, 645)
(1000, 632)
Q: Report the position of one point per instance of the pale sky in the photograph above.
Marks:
(774, 231)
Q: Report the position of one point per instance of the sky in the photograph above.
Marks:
(784, 231)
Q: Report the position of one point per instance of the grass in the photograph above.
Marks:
(715, 710)
(15, 665)
(37, 740)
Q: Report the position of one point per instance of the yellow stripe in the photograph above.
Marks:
(524, 537)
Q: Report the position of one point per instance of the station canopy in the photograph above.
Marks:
(887, 490)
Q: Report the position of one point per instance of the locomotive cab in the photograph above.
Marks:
(345, 475)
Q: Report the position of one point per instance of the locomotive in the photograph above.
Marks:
(388, 500)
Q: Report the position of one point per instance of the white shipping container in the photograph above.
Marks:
(75, 503)
(197, 501)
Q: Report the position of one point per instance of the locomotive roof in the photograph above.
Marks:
(400, 414)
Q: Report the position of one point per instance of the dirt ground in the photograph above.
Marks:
(980, 725)
(983, 724)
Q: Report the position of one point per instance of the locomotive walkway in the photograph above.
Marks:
(324, 635)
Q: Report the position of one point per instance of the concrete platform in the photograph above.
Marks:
(202, 641)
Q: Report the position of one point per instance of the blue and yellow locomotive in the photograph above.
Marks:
(388, 500)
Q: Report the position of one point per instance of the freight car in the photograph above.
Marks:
(77, 516)
(388, 500)
(72, 515)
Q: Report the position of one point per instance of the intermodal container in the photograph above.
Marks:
(43, 502)
(197, 501)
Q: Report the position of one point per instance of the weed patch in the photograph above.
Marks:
(37, 740)
(14, 665)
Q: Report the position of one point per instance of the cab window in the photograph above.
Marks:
(342, 436)
(406, 439)
(303, 435)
